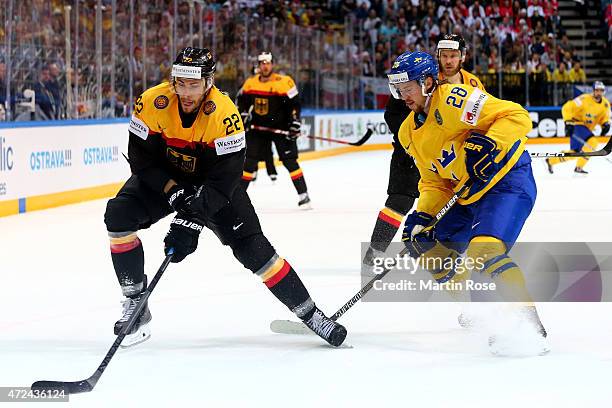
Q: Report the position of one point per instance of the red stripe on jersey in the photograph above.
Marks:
(264, 93)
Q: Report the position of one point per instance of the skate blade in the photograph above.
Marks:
(142, 334)
(290, 327)
(305, 207)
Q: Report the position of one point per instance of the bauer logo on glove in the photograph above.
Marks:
(480, 152)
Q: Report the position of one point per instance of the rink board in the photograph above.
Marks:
(48, 164)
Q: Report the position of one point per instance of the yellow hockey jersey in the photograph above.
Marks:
(157, 109)
(468, 79)
(437, 146)
(204, 147)
(274, 103)
(585, 110)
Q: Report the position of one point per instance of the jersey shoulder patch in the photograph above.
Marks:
(230, 144)
(473, 107)
(139, 128)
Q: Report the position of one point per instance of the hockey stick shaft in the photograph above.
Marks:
(88, 385)
(292, 327)
(606, 150)
(450, 204)
(359, 142)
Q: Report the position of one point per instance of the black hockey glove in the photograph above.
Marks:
(183, 236)
(295, 129)
(605, 128)
(569, 129)
(180, 196)
(480, 151)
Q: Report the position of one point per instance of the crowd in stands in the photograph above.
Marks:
(341, 38)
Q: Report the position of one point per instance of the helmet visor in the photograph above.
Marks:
(399, 90)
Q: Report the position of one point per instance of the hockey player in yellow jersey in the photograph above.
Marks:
(459, 134)
(402, 188)
(186, 152)
(270, 103)
(581, 115)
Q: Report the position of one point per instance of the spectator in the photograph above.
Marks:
(45, 103)
(505, 9)
(53, 86)
(535, 7)
(577, 74)
(366, 65)
(561, 73)
(565, 46)
(537, 20)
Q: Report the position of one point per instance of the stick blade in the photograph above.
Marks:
(69, 387)
(364, 139)
(289, 327)
(607, 149)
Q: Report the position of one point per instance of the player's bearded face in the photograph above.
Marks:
(411, 94)
(597, 94)
(191, 93)
(265, 68)
(450, 62)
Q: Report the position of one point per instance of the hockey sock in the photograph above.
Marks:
(589, 146)
(248, 174)
(386, 227)
(270, 168)
(496, 263)
(297, 175)
(128, 260)
(287, 286)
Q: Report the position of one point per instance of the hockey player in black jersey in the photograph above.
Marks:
(272, 102)
(186, 152)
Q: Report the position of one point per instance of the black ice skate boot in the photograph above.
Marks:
(332, 332)
(140, 331)
(304, 202)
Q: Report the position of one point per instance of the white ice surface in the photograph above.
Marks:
(211, 345)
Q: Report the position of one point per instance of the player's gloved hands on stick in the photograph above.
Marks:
(416, 240)
(183, 236)
(180, 196)
(295, 129)
(605, 128)
(569, 129)
(479, 154)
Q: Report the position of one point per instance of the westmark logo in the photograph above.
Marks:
(230, 144)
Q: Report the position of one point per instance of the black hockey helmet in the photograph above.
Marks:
(194, 63)
(452, 42)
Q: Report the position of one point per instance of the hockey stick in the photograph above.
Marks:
(361, 141)
(291, 327)
(606, 150)
(76, 387)
(583, 143)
